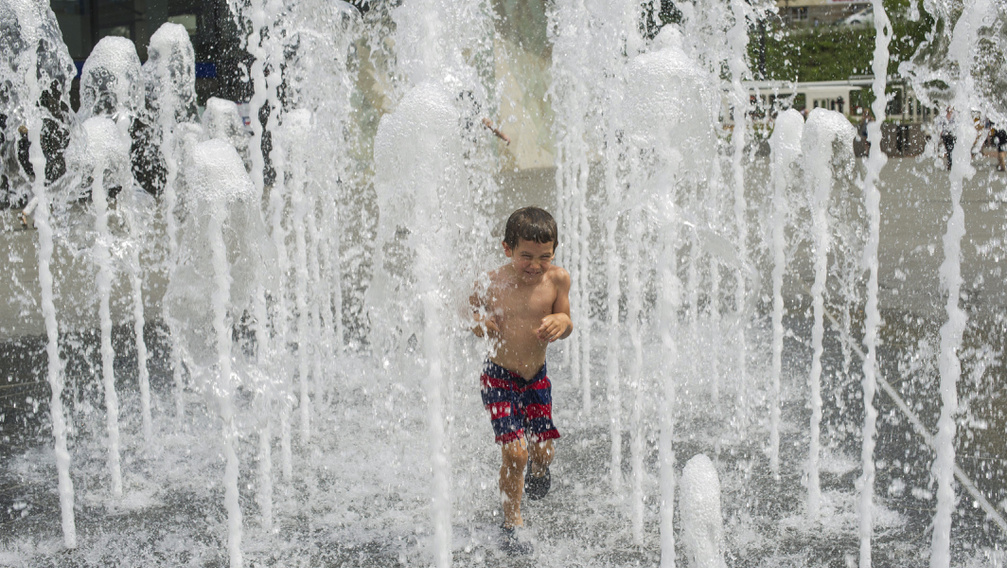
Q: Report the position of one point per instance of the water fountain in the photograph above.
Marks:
(303, 289)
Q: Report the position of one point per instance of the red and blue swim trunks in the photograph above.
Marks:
(518, 407)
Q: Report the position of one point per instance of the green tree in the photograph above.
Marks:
(837, 52)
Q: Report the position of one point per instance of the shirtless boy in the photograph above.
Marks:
(524, 307)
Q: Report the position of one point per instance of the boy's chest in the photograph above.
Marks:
(524, 302)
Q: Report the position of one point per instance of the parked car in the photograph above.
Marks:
(864, 17)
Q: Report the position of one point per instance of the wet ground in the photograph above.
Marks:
(359, 492)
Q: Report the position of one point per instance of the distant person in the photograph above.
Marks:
(865, 119)
(999, 136)
(54, 136)
(24, 152)
(7, 168)
(946, 126)
(55, 133)
(524, 307)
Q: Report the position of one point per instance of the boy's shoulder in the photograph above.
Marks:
(494, 279)
(499, 273)
(559, 275)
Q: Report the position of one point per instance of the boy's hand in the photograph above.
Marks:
(486, 326)
(554, 326)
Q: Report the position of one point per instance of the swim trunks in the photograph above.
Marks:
(516, 405)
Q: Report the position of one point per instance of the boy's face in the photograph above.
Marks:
(530, 259)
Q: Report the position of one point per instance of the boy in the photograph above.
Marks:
(524, 307)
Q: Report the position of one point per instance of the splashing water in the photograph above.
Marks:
(311, 297)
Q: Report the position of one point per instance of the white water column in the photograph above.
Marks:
(420, 174)
(572, 93)
(821, 238)
(170, 46)
(416, 153)
(39, 27)
(139, 320)
(669, 303)
(104, 142)
(319, 87)
(876, 161)
(54, 366)
(964, 37)
(785, 145)
(636, 276)
(613, 269)
(222, 329)
(262, 19)
(171, 66)
(297, 127)
(737, 62)
(222, 188)
(589, 39)
(638, 221)
(261, 45)
(613, 272)
(111, 88)
(826, 133)
(671, 147)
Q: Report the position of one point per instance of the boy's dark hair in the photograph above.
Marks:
(531, 224)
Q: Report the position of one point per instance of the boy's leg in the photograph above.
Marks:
(515, 459)
(537, 480)
(500, 396)
(539, 427)
(540, 454)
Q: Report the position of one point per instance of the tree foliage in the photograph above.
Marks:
(836, 52)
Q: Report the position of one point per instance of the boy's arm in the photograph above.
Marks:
(484, 324)
(558, 324)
